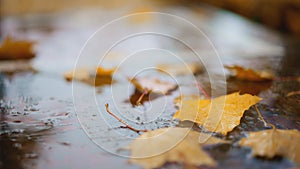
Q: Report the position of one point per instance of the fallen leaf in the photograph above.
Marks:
(152, 85)
(100, 71)
(269, 143)
(250, 74)
(180, 69)
(10, 67)
(154, 148)
(101, 77)
(141, 15)
(249, 87)
(16, 49)
(178, 100)
(79, 74)
(137, 97)
(221, 114)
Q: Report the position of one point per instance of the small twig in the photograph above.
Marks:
(262, 118)
(145, 92)
(203, 91)
(293, 93)
(120, 120)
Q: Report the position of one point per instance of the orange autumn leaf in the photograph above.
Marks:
(221, 114)
(16, 49)
(180, 69)
(100, 71)
(250, 74)
(269, 143)
(102, 76)
(153, 85)
(82, 74)
(154, 148)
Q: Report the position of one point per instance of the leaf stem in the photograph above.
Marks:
(262, 119)
(202, 90)
(121, 121)
(145, 92)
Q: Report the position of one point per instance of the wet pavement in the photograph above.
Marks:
(47, 122)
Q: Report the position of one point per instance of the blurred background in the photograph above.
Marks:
(38, 123)
(282, 15)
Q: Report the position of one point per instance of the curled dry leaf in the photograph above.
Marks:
(180, 69)
(154, 148)
(269, 143)
(16, 49)
(153, 85)
(250, 74)
(221, 114)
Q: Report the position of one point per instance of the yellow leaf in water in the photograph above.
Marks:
(153, 85)
(16, 49)
(154, 148)
(269, 143)
(180, 69)
(250, 74)
(221, 114)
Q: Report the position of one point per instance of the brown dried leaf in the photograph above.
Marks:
(269, 143)
(250, 74)
(221, 114)
(153, 85)
(154, 148)
(16, 49)
(180, 69)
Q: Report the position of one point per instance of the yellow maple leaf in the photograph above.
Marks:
(178, 100)
(269, 143)
(16, 49)
(250, 74)
(153, 85)
(221, 114)
(154, 148)
(180, 69)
